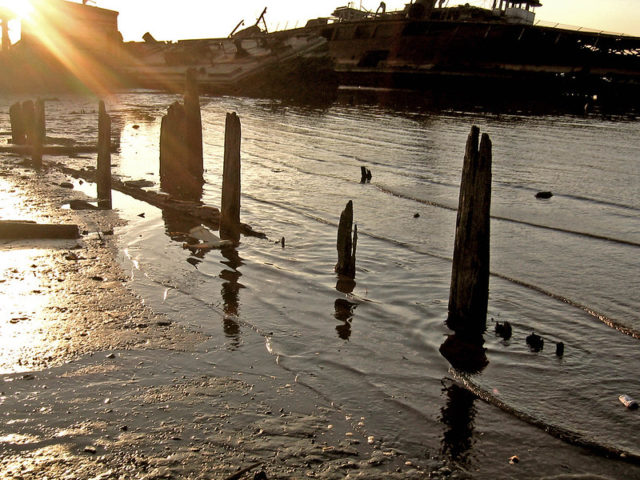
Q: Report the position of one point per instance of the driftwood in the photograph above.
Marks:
(347, 244)
(207, 215)
(469, 294)
(15, 229)
(230, 201)
(104, 158)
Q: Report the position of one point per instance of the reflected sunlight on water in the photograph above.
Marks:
(22, 324)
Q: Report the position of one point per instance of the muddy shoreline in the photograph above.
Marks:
(97, 385)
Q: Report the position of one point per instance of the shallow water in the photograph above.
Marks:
(558, 265)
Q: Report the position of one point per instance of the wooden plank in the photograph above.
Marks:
(16, 229)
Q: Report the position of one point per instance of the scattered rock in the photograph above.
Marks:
(136, 127)
(513, 460)
(68, 185)
(111, 355)
(535, 342)
(503, 330)
(90, 449)
(141, 215)
(544, 195)
(559, 349)
(416, 215)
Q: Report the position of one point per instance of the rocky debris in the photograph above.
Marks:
(504, 330)
(535, 342)
(544, 195)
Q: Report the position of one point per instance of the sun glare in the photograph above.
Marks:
(20, 8)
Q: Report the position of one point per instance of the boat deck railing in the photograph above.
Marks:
(575, 28)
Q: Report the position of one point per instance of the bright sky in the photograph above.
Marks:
(173, 20)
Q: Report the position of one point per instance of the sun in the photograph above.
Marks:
(20, 8)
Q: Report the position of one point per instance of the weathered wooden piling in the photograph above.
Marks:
(28, 117)
(39, 133)
(181, 153)
(346, 243)
(103, 179)
(469, 294)
(230, 201)
(18, 131)
(193, 126)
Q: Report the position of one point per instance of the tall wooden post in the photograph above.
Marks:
(173, 174)
(230, 202)
(18, 131)
(193, 127)
(104, 158)
(28, 116)
(469, 294)
(346, 243)
(39, 133)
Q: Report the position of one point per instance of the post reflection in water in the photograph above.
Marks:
(230, 294)
(458, 416)
(177, 227)
(343, 309)
(344, 312)
(465, 353)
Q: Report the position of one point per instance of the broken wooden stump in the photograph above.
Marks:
(365, 175)
(181, 154)
(347, 244)
(176, 175)
(18, 129)
(104, 158)
(16, 229)
(39, 133)
(469, 294)
(231, 188)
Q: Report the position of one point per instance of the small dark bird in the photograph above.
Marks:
(535, 342)
(559, 349)
(503, 330)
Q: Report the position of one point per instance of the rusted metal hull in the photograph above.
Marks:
(522, 59)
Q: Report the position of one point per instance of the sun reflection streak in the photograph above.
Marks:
(22, 303)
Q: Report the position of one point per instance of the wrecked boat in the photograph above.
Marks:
(501, 49)
(249, 63)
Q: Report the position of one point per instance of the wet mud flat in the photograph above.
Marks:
(96, 385)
